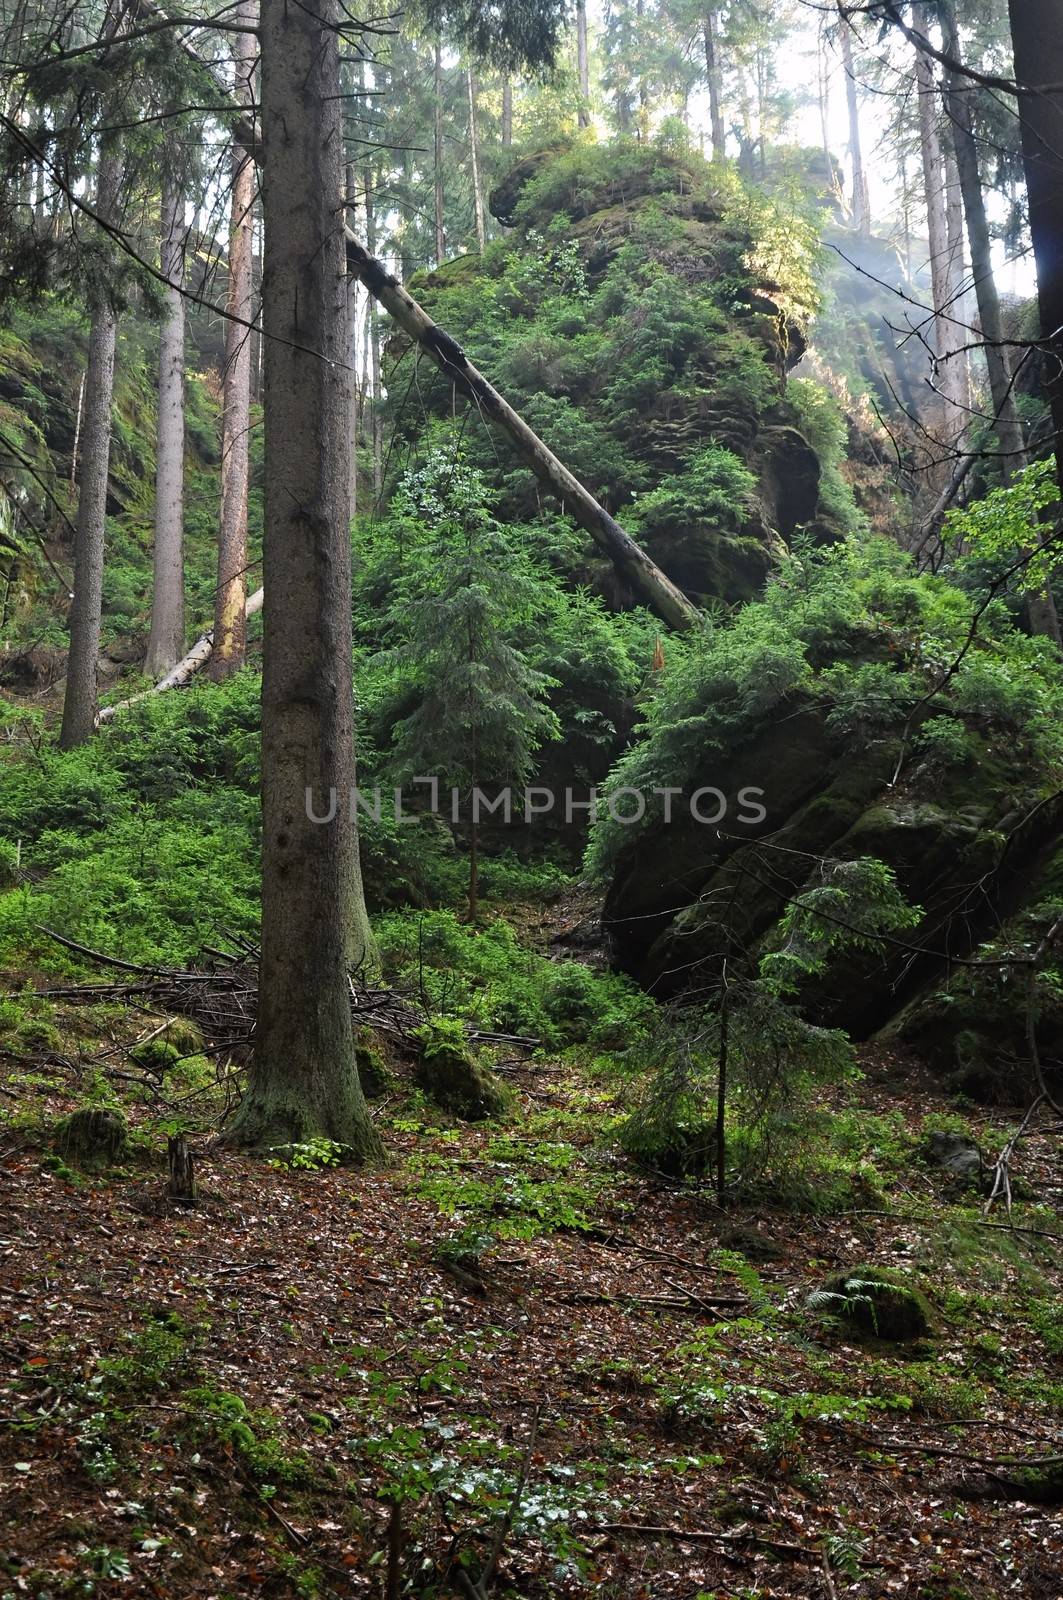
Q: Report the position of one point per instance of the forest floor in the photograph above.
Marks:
(508, 1364)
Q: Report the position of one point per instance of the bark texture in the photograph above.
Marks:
(80, 703)
(230, 595)
(304, 1081)
(166, 638)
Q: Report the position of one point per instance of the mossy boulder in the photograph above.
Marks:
(155, 1056)
(374, 1074)
(873, 1302)
(185, 1037)
(452, 1076)
(92, 1137)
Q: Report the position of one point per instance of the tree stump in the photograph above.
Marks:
(182, 1185)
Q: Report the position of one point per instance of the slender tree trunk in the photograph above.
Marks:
(353, 386)
(474, 872)
(960, 361)
(79, 704)
(861, 208)
(437, 155)
(583, 65)
(166, 639)
(474, 164)
(373, 335)
(713, 80)
(936, 224)
(304, 1080)
(230, 597)
(507, 110)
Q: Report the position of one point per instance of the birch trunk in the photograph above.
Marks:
(304, 1080)
(166, 638)
(230, 596)
(80, 702)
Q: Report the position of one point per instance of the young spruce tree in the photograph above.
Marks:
(461, 613)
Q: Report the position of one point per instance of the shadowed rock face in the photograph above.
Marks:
(977, 854)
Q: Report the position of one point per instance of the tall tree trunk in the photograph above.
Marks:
(713, 79)
(437, 154)
(230, 596)
(354, 391)
(304, 1080)
(937, 228)
(960, 361)
(166, 639)
(474, 163)
(507, 110)
(1038, 44)
(373, 335)
(79, 703)
(861, 208)
(583, 66)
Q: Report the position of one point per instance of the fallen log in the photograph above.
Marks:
(185, 669)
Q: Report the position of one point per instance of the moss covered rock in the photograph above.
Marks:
(92, 1136)
(874, 1302)
(451, 1075)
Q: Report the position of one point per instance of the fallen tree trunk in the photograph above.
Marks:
(652, 586)
(185, 669)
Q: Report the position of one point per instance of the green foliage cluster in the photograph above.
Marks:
(489, 979)
(855, 629)
(639, 348)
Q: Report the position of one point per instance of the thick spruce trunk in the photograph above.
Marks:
(80, 701)
(230, 595)
(166, 638)
(304, 1081)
